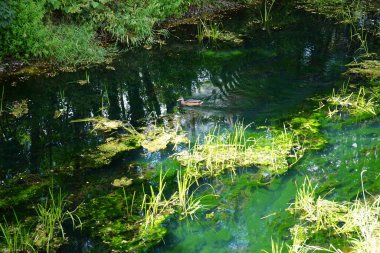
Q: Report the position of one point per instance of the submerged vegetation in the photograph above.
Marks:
(151, 175)
(43, 232)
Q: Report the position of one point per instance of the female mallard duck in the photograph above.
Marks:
(190, 102)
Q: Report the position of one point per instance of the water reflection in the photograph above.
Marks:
(267, 77)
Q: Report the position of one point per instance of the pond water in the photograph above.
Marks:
(268, 77)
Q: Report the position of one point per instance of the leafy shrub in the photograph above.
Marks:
(25, 35)
(7, 14)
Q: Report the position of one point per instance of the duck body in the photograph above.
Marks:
(190, 102)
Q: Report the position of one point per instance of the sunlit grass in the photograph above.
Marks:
(353, 103)
(220, 151)
(357, 223)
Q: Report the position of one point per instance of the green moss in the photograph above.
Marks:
(222, 54)
(103, 154)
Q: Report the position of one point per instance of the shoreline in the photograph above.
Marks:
(11, 68)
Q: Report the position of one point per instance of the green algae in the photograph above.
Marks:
(21, 189)
(155, 138)
(103, 154)
(19, 108)
(122, 182)
(369, 69)
(308, 130)
(120, 138)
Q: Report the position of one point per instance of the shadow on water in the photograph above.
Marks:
(267, 77)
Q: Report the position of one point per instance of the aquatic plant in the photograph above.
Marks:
(369, 69)
(353, 14)
(19, 108)
(185, 198)
(106, 125)
(266, 13)
(1, 101)
(212, 31)
(272, 150)
(357, 222)
(51, 216)
(16, 238)
(155, 138)
(22, 189)
(276, 247)
(155, 205)
(208, 30)
(357, 104)
(104, 153)
(307, 130)
(120, 137)
(129, 205)
(84, 81)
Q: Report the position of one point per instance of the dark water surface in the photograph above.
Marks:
(268, 77)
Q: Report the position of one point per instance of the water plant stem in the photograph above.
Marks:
(1, 101)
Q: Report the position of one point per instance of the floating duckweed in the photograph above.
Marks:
(356, 223)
